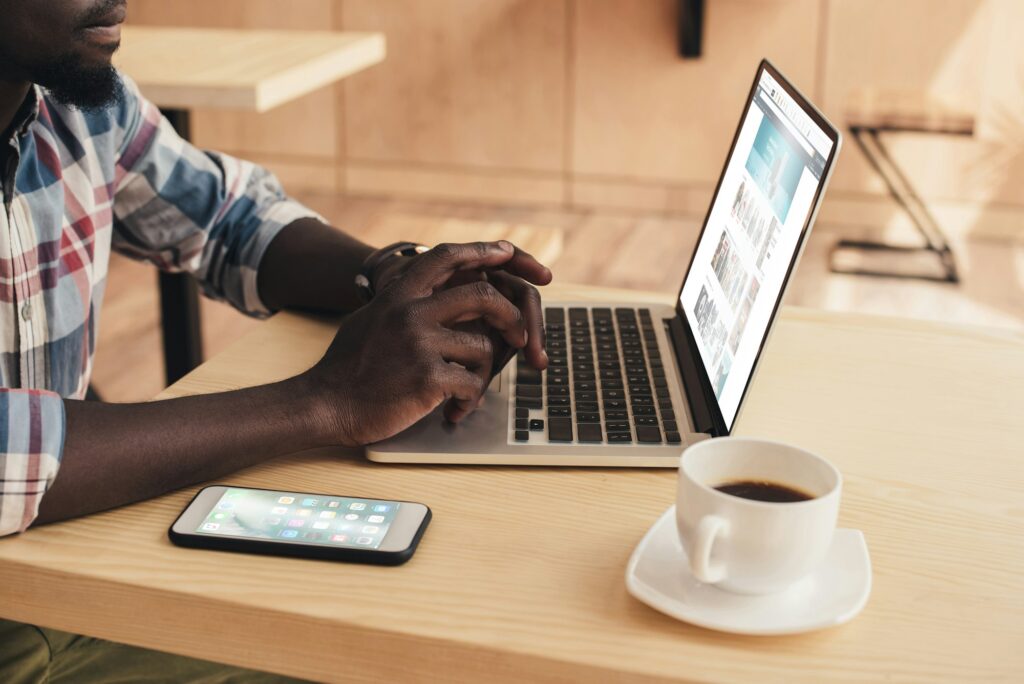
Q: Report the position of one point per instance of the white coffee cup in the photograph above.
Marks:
(747, 546)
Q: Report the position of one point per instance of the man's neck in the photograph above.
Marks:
(12, 94)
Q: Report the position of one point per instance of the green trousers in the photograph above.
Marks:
(31, 654)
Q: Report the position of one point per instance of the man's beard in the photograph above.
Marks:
(73, 84)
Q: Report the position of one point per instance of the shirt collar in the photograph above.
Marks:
(28, 112)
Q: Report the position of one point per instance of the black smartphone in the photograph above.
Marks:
(326, 526)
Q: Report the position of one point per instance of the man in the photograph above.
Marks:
(87, 164)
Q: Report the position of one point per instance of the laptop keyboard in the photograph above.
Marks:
(605, 383)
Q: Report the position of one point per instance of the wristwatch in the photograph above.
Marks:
(365, 281)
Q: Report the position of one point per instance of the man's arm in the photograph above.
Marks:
(310, 265)
(392, 362)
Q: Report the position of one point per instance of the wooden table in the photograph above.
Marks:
(520, 576)
(183, 68)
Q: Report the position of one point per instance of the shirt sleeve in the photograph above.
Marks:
(195, 211)
(31, 441)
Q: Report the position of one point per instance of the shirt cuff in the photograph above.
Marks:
(32, 429)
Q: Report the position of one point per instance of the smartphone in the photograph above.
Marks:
(325, 526)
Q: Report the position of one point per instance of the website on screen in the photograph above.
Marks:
(752, 232)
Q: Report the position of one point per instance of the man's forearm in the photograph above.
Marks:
(119, 453)
(310, 265)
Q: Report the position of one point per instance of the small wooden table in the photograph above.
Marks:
(520, 577)
(183, 68)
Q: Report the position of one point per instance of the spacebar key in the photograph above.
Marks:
(560, 429)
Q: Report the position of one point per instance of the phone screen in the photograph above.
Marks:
(299, 518)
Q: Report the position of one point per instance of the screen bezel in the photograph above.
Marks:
(400, 535)
(720, 427)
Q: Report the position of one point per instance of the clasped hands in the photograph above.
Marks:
(441, 326)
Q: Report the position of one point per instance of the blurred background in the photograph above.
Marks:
(582, 116)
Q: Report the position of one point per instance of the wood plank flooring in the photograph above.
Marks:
(622, 250)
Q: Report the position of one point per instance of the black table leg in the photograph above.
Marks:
(179, 299)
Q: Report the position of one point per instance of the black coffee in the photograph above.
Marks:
(759, 490)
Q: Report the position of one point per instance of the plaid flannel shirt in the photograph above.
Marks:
(78, 184)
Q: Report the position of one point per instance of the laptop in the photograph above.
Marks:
(631, 385)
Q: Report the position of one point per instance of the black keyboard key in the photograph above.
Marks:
(533, 391)
(638, 380)
(577, 313)
(660, 382)
(658, 372)
(655, 363)
(643, 411)
(522, 436)
(588, 432)
(527, 376)
(585, 385)
(554, 315)
(620, 437)
(601, 313)
(558, 391)
(584, 375)
(558, 401)
(668, 415)
(558, 381)
(526, 403)
(614, 404)
(645, 420)
(664, 403)
(522, 424)
(609, 365)
(551, 344)
(560, 429)
(611, 384)
(586, 396)
(617, 427)
(649, 434)
(641, 400)
(640, 390)
(586, 406)
(588, 417)
(557, 370)
(611, 374)
(559, 412)
(670, 426)
(522, 412)
(536, 425)
(663, 392)
(614, 394)
(582, 367)
(615, 415)
(672, 437)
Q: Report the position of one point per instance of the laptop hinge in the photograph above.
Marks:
(686, 357)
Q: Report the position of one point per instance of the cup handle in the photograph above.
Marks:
(700, 561)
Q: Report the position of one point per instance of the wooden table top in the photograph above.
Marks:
(520, 576)
(240, 68)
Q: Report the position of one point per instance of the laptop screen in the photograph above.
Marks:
(752, 236)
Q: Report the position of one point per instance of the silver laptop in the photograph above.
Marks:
(630, 385)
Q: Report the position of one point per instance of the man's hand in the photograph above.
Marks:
(514, 278)
(432, 335)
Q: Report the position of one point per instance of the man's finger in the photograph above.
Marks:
(524, 265)
(433, 269)
(527, 298)
(463, 390)
(473, 351)
(478, 301)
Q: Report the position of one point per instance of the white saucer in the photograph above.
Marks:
(658, 574)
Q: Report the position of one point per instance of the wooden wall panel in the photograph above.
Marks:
(643, 112)
(466, 83)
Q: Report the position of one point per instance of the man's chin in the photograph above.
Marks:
(82, 81)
